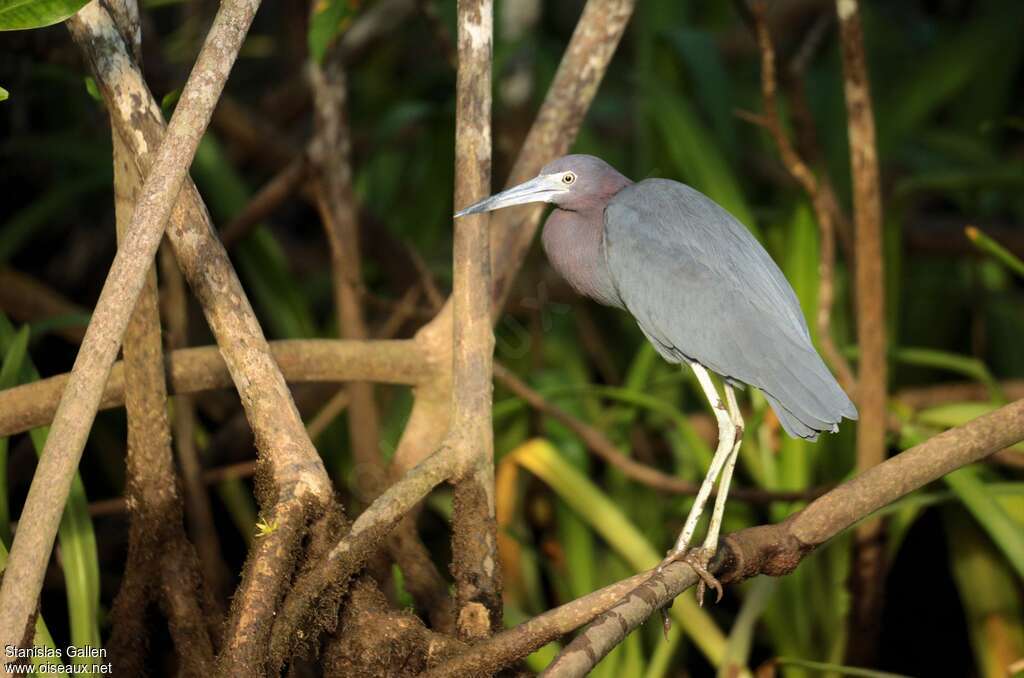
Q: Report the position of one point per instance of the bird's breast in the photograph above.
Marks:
(574, 243)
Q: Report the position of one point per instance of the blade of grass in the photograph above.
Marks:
(661, 661)
(992, 247)
(988, 593)
(990, 514)
(605, 518)
(741, 636)
(76, 542)
(14, 357)
(42, 639)
(836, 668)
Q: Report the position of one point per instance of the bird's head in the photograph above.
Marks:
(572, 182)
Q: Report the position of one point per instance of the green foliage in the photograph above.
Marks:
(16, 15)
(329, 20)
(4, 94)
(1004, 531)
(93, 89)
(997, 251)
(75, 537)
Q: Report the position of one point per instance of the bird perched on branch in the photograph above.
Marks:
(703, 291)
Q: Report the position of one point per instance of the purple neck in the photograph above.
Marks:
(574, 243)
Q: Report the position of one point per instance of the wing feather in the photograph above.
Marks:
(703, 289)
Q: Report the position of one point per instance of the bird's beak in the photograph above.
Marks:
(539, 189)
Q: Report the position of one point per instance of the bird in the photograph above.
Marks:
(702, 290)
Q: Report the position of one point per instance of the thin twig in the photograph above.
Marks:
(27, 299)
(820, 194)
(600, 445)
(336, 203)
(267, 199)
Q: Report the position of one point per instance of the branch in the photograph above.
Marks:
(199, 512)
(868, 566)
(31, 549)
(777, 549)
(490, 656)
(821, 195)
(26, 299)
(198, 369)
(268, 198)
(474, 537)
(352, 552)
(922, 397)
(335, 201)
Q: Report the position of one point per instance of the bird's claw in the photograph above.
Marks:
(697, 559)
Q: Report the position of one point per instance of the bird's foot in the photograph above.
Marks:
(698, 559)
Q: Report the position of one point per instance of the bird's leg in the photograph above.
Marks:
(710, 546)
(698, 559)
(736, 420)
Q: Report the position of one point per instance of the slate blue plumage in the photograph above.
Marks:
(702, 288)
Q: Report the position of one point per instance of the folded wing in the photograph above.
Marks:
(703, 289)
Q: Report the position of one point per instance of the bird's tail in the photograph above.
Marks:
(812, 403)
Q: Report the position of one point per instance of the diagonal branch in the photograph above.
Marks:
(30, 552)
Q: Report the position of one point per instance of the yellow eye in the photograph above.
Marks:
(568, 178)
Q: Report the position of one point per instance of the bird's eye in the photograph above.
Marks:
(568, 178)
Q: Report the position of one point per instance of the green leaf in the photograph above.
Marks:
(92, 88)
(992, 607)
(16, 15)
(695, 156)
(169, 100)
(836, 668)
(990, 514)
(330, 18)
(14, 358)
(997, 251)
(953, 362)
(3, 94)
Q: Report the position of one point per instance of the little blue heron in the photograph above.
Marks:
(704, 293)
